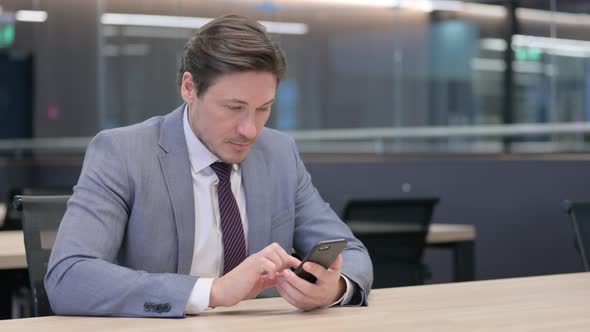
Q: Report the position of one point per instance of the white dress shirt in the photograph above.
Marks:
(207, 262)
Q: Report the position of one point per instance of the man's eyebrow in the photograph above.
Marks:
(239, 101)
(235, 100)
(268, 102)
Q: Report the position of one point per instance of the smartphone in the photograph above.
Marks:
(323, 253)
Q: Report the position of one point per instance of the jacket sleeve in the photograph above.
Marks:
(315, 221)
(82, 276)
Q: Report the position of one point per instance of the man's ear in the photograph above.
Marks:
(188, 90)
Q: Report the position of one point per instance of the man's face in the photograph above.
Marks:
(231, 113)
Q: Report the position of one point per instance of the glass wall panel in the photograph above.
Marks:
(380, 76)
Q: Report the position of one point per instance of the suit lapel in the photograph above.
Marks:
(176, 171)
(257, 191)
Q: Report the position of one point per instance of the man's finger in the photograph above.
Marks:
(288, 260)
(303, 286)
(275, 247)
(293, 262)
(275, 250)
(286, 296)
(295, 294)
(268, 283)
(317, 270)
(276, 259)
(269, 268)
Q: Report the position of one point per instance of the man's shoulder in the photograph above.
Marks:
(141, 131)
(272, 138)
(146, 133)
(276, 147)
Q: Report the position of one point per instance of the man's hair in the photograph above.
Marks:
(229, 44)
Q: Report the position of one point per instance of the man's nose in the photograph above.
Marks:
(247, 125)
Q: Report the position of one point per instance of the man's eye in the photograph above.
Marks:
(264, 109)
(233, 108)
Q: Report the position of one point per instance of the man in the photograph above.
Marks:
(201, 208)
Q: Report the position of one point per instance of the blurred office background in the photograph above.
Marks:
(364, 65)
(483, 104)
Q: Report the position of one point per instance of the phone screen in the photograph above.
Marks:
(323, 253)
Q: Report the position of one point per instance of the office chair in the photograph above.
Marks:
(13, 219)
(580, 216)
(41, 218)
(396, 253)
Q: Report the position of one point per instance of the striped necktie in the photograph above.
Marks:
(232, 231)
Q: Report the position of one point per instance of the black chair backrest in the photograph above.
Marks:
(13, 218)
(580, 216)
(413, 215)
(417, 211)
(396, 254)
(41, 218)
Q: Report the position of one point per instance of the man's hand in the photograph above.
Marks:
(329, 287)
(256, 273)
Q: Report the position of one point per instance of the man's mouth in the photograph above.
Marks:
(240, 146)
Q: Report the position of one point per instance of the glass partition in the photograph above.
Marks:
(395, 76)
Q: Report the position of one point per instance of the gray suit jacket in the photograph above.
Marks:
(125, 244)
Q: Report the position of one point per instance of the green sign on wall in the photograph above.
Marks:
(528, 54)
(6, 29)
(6, 35)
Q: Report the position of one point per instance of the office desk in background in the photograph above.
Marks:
(551, 303)
(12, 248)
(13, 275)
(3, 211)
(460, 239)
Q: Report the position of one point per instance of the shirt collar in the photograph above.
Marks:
(199, 156)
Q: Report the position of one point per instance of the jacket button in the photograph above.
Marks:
(166, 307)
(146, 307)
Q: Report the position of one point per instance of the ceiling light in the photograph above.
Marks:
(31, 16)
(186, 22)
(366, 3)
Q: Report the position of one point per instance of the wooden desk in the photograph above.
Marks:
(548, 303)
(460, 239)
(3, 211)
(12, 250)
(437, 234)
